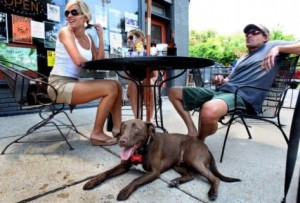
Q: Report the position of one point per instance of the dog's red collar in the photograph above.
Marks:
(136, 158)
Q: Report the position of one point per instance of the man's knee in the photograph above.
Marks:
(211, 112)
(174, 93)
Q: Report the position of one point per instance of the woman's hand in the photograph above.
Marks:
(99, 28)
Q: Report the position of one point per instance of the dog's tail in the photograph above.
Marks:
(214, 170)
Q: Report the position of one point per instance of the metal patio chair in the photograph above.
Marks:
(29, 89)
(272, 104)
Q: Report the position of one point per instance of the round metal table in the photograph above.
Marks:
(145, 65)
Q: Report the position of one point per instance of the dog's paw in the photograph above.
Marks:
(174, 183)
(123, 194)
(89, 185)
(212, 195)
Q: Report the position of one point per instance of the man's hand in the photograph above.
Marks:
(219, 79)
(269, 60)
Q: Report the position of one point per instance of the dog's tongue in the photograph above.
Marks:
(126, 153)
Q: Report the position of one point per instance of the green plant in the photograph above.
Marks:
(224, 49)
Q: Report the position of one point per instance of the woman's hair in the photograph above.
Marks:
(84, 8)
(138, 33)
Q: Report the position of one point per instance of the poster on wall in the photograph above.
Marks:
(131, 21)
(115, 20)
(50, 58)
(37, 29)
(116, 43)
(105, 35)
(51, 33)
(53, 12)
(3, 28)
(23, 56)
(21, 28)
(101, 15)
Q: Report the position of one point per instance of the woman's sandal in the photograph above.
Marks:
(107, 142)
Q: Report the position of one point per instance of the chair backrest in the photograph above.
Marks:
(203, 76)
(17, 84)
(28, 87)
(197, 77)
(276, 95)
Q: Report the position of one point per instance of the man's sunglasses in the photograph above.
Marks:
(130, 37)
(73, 12)
(253, 32)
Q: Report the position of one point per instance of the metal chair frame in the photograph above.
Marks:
(29, 89)
(272, 104)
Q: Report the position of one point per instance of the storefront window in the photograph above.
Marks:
(117, 17)
(29, 28)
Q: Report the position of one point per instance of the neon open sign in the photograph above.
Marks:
(26, 7)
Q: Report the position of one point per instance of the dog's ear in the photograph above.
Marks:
(150, 128)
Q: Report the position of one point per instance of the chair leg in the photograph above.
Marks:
(64, 137)
(15, 141)
(279, 125)
(73, 127)
(225, 139)
(283, 133)
(33, 129)
(109, 123)
(158, 109)
(45, 121)
(246, 126)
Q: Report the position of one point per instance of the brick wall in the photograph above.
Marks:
(181, 28)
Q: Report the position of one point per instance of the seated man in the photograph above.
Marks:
(256, 69)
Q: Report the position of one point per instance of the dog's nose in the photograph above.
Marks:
(122, 141)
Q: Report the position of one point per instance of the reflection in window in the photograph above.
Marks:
(156, 34)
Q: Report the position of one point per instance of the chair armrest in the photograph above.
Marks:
(273, 94)
(40, 91)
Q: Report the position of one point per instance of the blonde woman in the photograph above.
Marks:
(136, 44)
(74, 47)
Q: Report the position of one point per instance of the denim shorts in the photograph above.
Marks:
(195, 97)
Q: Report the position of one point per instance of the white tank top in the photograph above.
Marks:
(64, 66)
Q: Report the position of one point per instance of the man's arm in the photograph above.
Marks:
(269, 60)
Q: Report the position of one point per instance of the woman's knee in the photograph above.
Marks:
(112, 88)
(119, 85)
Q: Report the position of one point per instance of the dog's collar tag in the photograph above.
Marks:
(136, 158)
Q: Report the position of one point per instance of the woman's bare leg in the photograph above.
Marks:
(116, 110)
(109, 93)
(132, 94)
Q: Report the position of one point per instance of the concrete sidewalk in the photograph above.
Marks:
(50, 172)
